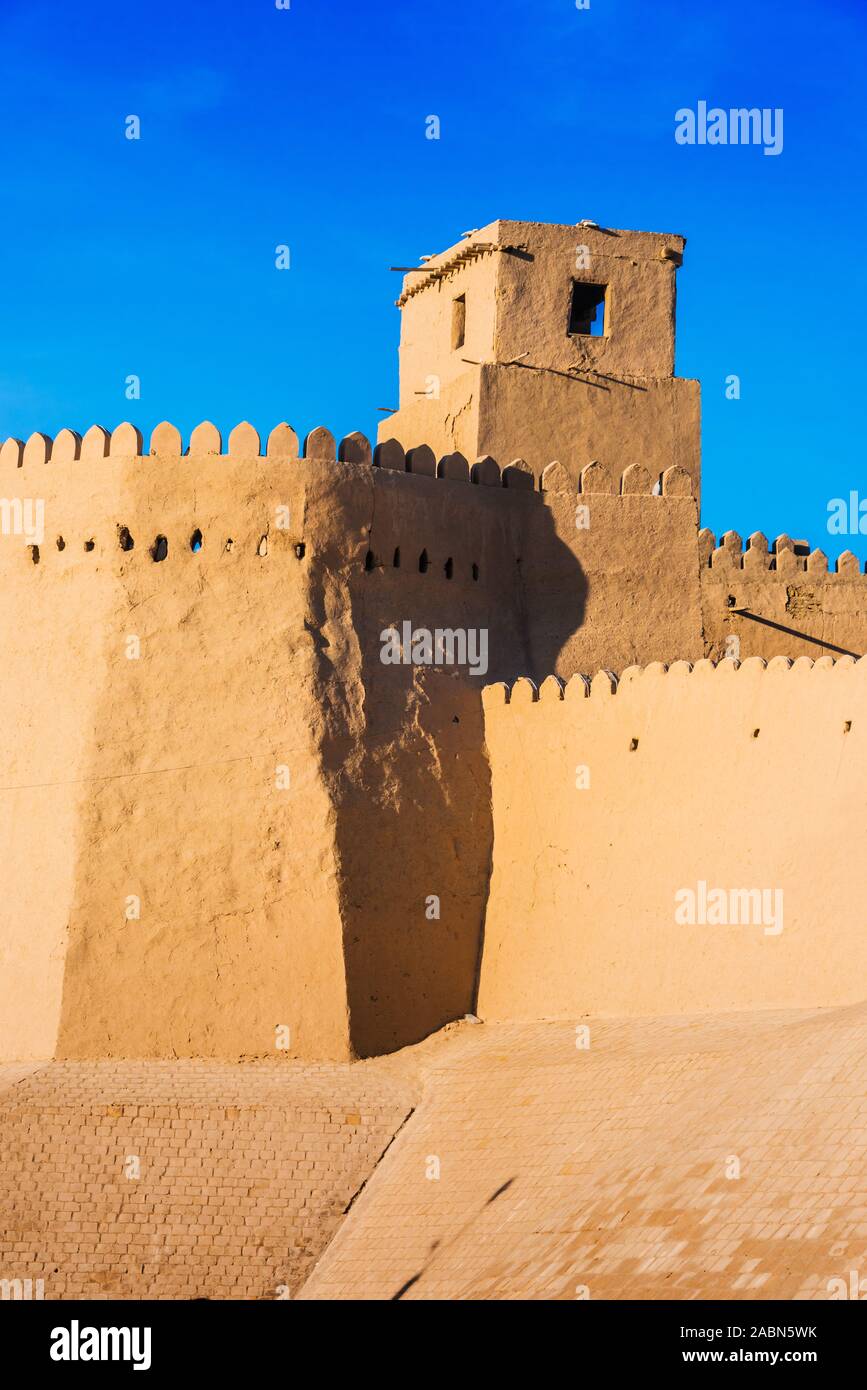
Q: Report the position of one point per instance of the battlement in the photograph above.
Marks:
(780, 598)
(782, 556)
(205, 442)
(605, 684)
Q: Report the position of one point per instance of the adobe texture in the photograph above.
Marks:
(225, 817)
(206, 823)
(516, 382)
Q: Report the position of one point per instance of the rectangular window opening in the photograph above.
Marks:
(459, 321)
(587, 309)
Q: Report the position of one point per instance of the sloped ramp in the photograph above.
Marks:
(709, 1157)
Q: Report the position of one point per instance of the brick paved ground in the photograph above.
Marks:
(244, 1173)
(610, 1167)
(692, 1158)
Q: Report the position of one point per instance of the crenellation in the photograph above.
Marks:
(817, 560)
(205, 439)
(66, 447)
(37, 450)
(523, 692)
(166, 440)
(389, 454)
(581, 915)
(422, 460)
(244, 442)
(319, 444)
(636, 480)
(519, 475)
(676, 482)
(95, 443)
(283, 442)
(787, 562)
(554, 478)
(605, 683)
(486, 472)
(756, 559)
(126, 442)
(848, 564)
(11, 453)
(454, 468)
(355, 448)
(551, 690)
(598, 478)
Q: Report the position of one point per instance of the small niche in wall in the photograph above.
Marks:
(34, 553)
(396, 560)
(159, 549)
(89, 545)
(449, 567)
(196, 541)
(61, 543)
(423, 562)
(124, 539)
(369, 562)
(475, 573)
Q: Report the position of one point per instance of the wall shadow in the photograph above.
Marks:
(414, 823)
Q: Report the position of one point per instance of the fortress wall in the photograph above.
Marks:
(799, 596)
(156, 778)
(407, 765)
(250, 897)
(636, 554)
(260, 656)
(747, 777)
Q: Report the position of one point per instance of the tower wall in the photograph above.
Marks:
(171, 897)
(520, 380)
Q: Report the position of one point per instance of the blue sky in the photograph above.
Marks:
(307, 127)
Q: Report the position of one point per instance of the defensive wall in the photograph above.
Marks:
(211, 784)
(677, 841)
(209, 790)
(780, 598)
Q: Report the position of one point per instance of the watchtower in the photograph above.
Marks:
(540, 341)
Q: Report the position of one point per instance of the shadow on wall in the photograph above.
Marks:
(414, 824)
